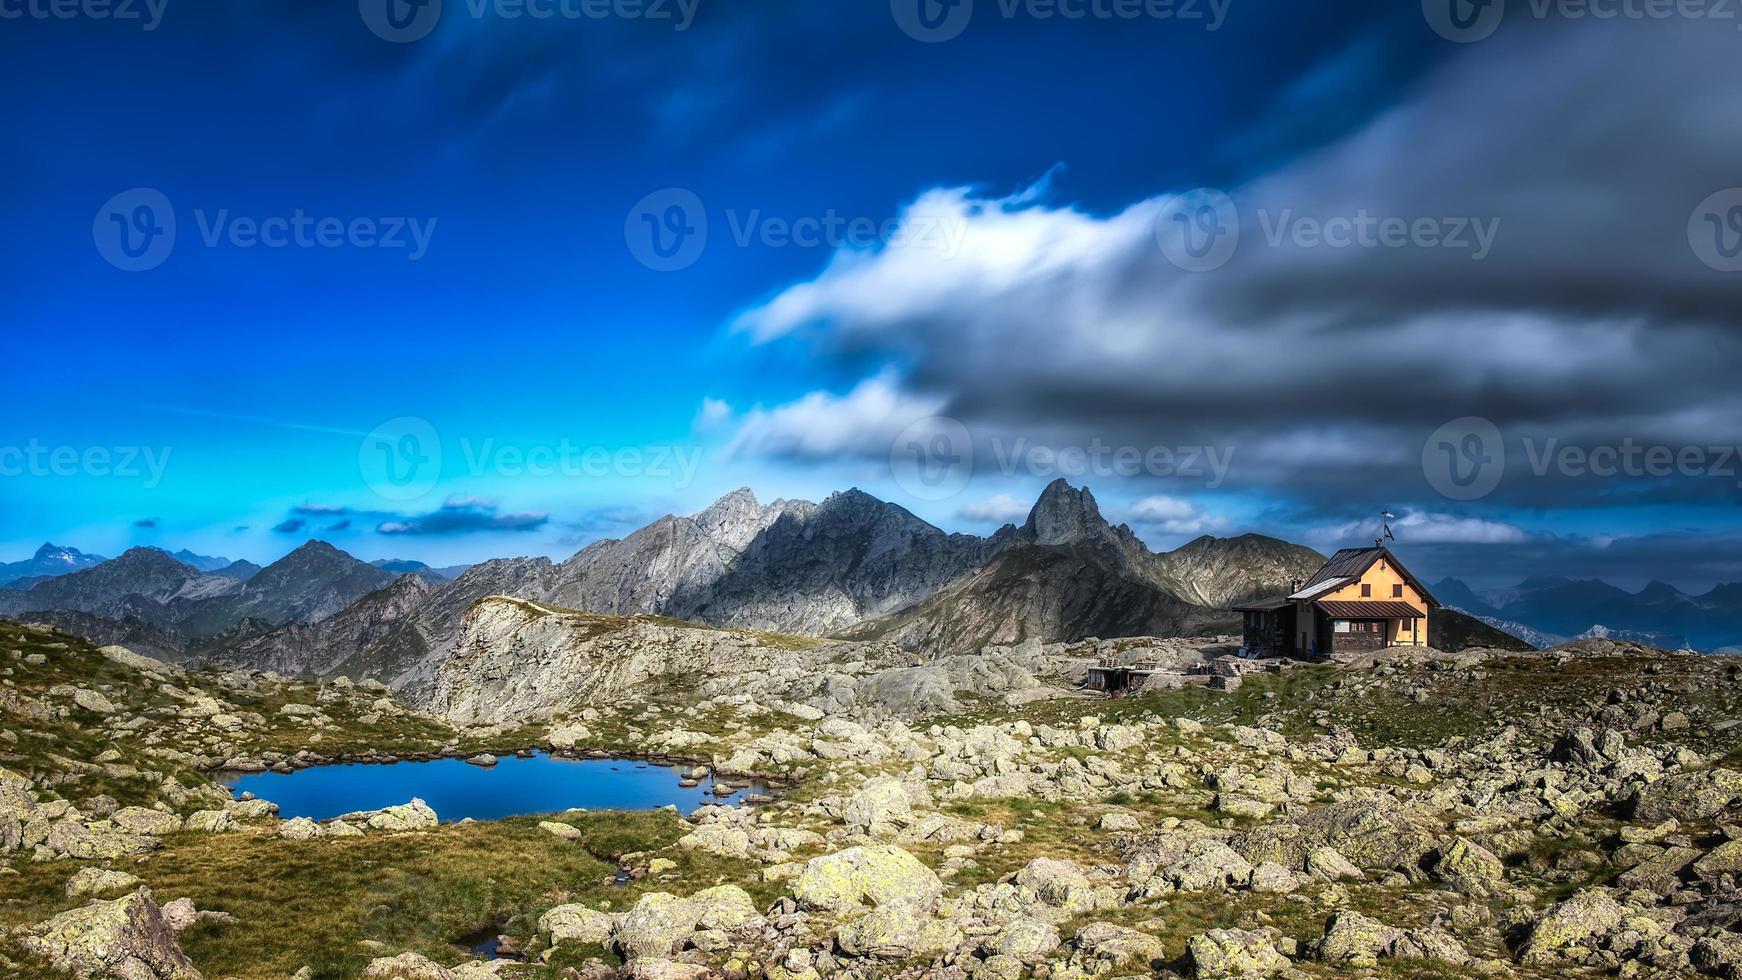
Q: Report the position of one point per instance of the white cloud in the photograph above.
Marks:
(823, 425)
(713, 414)
(1428, 528)
(999, 509)
(1176, 515)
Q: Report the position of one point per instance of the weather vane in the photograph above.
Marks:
(1386, 517)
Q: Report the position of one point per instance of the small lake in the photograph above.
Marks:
(455, 789)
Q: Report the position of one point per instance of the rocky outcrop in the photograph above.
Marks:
(128, 938)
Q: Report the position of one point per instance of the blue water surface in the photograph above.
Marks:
(456, 789)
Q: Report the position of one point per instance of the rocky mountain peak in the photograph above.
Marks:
(735, 519)
(1066, 515)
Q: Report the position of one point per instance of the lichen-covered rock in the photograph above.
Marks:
(657, 926)
(99, 881)
(898, 930)
(415, 815)
(1120, 946)
(879, 807)
(97, 842)
(874, 873)
(406, 966)
(1208, 865)
(1471, 868)
(140, 820)
(1352, 939)
(724, 907)
(211, 822)
(1059, 885)
(1688, 796)
(577, 923)
(1230, 953)
(300, 828)
(1725, 859)
(1587, 916)
(1026, 939)
(127, 938)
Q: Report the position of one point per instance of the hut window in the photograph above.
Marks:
(1397, 591)
(1366, 591)
(1340, 626)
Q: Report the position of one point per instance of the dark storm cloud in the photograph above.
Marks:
(1555, 292)
(293, 525)
(146, 522)
(464, 515)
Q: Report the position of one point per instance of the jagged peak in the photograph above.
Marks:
(1066, 515)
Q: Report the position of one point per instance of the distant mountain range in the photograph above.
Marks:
(850, 566)
(1547, 610)
(50, 560)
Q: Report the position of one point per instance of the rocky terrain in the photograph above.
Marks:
(1489, 812)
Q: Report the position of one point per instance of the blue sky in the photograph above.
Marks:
(525, 318)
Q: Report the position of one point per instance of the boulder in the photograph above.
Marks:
(140, 820)
(577, 923)
(724, 907)
(300, 828)
(657, 927)
(1120, 946)
(211, 822)
(1028, 940)
(127, 938)
(876, 874)
(1471, 868)
(99, 881)
(879, 807)
(1059, 885)
(1590, 914)
(406, 966)
(1689, 796)
(1353, 940)
(898, 930)
(1227, 953)
(415, 815)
